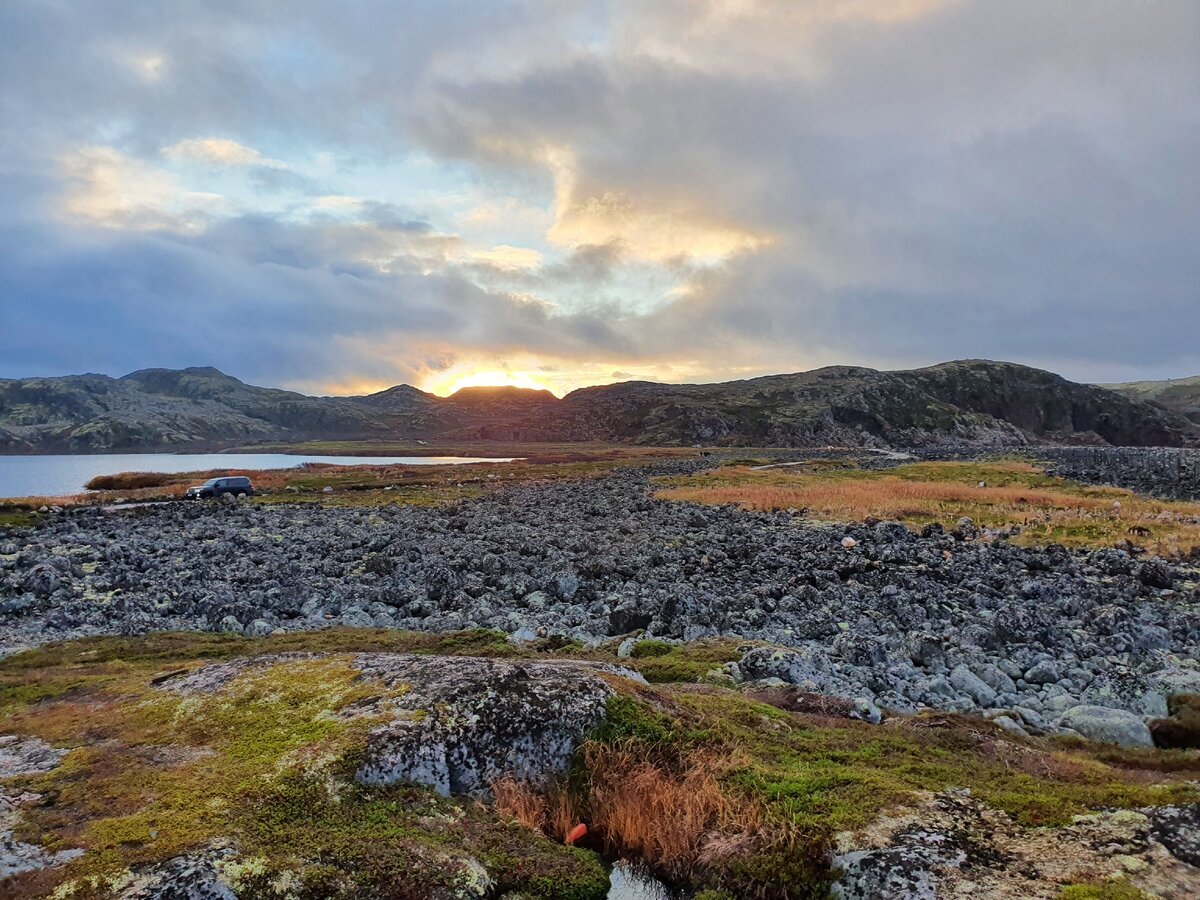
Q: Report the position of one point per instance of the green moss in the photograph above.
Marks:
(629, 719)
(15, 517)
(1106, 890)
(647, 649)
(661, 663)
(400, 841)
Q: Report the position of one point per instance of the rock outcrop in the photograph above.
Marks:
(456, 723)
(24, 756)
(951, 845)
(462, 722)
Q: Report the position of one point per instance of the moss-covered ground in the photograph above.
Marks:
(263, 766)
(17, 516)
(999, 495)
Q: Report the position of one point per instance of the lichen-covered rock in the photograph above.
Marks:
(1178, 829)
(966, 681)
(198, 876)
(462, 722)
(806, 667)
(1111, 726)
(953, 847)
(24, 756)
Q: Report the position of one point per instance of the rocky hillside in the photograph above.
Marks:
(163, 408)
(1179, 394)
(977, 402)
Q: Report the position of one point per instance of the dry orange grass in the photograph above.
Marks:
(884, 498)
(1047, 510)
(98, 497)
(675, 818)
(546, 807)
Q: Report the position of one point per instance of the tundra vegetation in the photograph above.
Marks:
(1010, 497)
(727, 787)
(707, 785)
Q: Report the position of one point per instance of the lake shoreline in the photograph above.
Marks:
(66, 475)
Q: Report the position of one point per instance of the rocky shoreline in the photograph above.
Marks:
(1039, 639)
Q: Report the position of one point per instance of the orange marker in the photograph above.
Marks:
(576, 834)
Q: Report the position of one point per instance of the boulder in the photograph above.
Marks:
(967, 682)
(1110, 726)
(194, 877)
(860, 649)
(807, 667)
(1044, 672)
(462, 722)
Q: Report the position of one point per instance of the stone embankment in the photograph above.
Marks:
(1169, 472)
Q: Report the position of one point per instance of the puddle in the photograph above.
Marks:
(629, 882)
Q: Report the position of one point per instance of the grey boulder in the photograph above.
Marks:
(463, 722)
(1110, 726)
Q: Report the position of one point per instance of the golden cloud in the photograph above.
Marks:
(220, 152)
(505, 256)
(653, 229)
(104, 187)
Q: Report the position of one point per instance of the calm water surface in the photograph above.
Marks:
(52, 476)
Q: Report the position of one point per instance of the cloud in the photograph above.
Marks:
(685, 189)
(220, 152)
(507, 258)
(102, 187)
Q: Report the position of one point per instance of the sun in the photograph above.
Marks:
(446, 383)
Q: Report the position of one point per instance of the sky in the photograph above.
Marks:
(339, 197)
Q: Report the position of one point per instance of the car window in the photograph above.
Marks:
(212, 482)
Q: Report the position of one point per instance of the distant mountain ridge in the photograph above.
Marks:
(973, 401)
(1179, 394)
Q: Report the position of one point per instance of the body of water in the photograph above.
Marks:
(54, 476)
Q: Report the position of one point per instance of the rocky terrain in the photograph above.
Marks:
(1047, 638)
(1162, 472)
(426, 701)
(977, 402)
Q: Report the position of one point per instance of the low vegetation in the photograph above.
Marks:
(1011, 497)
(360, 485)
(712, 788)
(707, 786)
(18, 516)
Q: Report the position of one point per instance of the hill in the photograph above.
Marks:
(973, 401)
(1182, 395)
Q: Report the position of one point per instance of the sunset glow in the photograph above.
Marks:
(694, 190)
(446, 383)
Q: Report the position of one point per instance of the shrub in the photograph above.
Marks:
(1182, 730)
